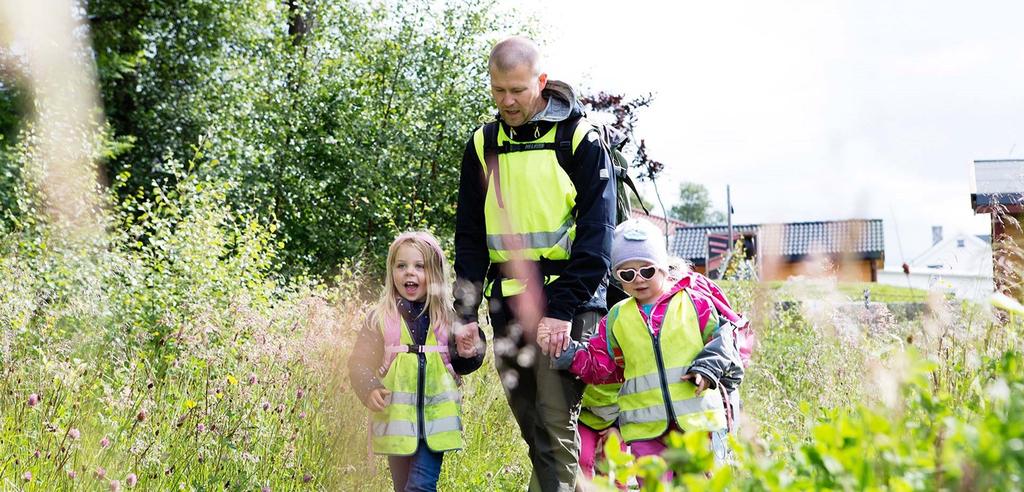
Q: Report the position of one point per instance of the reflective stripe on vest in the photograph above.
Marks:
(600, 405)
(644, 413)
(396, 429)
(410, 398)
(528, 207)
(408, 429)
(533, 240)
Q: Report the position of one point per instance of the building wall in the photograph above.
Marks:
(1007, 248)
(847, 271)
(976, 287)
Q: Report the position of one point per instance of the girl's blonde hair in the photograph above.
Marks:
(677, 268)
(440, 303)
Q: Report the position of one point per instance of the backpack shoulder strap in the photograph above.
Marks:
(609, 324)
(568, 135)
(488, 149)
(490, 132)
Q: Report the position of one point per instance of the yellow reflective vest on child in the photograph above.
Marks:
(425, 401)
(653, 394)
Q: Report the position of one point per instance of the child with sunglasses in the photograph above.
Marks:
(669, 343)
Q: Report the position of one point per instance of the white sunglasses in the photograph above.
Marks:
(628, 275)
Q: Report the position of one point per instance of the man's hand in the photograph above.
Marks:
(543, 334)
(467, 339)
(699, 381)
(557, 332)
(378, 399)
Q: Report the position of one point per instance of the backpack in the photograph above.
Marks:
(613, 141)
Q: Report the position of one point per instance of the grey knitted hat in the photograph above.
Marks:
(638, 239)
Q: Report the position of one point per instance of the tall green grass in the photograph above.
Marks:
(169, 355)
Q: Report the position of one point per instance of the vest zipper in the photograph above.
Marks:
(420, 383)
(656, 341)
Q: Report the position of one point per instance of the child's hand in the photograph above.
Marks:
(467, 339)
(378, 399)
(603, 435)
(701, 382)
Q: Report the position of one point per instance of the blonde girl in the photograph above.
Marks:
(406, 365)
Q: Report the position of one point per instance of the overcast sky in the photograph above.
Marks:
(811, 110)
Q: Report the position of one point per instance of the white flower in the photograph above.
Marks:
(999, 390)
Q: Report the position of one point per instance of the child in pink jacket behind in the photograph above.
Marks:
(670, 343)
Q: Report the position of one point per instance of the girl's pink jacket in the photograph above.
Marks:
(596, 365)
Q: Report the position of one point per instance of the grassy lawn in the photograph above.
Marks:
(853, 291)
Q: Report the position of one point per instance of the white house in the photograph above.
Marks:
(961, 264)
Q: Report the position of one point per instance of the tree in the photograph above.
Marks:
(339, 122)
(624, 111)
(694, 205)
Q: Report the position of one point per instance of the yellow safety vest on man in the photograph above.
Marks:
(653, 394)
(430, 412)
(528, 208)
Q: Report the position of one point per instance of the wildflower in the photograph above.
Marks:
(35, 454)
(105, 442)
(190, 404)
(33, 400)
(72, 475)
(201, 427)
(74, 434)
(115, 485)
(307, 477)
(266, 405)
(999, 390)
(300, 393)
(100, 473)
(302, 415)
(131, 480)
(27, 476)
(252, 379)
(280, 408)
(231, 380)
(141, 417)
(265, 488)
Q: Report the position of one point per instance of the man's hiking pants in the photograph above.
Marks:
(544, 401)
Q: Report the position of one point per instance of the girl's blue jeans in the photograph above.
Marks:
(416, 473)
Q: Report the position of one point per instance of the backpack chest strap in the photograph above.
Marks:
(415, 349)
(509, 147)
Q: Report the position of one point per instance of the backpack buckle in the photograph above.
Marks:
(415, 349)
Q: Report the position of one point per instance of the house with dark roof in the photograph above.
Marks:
(960, 264)
(997, 189)
(855, 247)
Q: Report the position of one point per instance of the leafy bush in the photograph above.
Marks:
(937, 407)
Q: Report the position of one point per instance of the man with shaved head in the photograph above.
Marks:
(534, 223)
